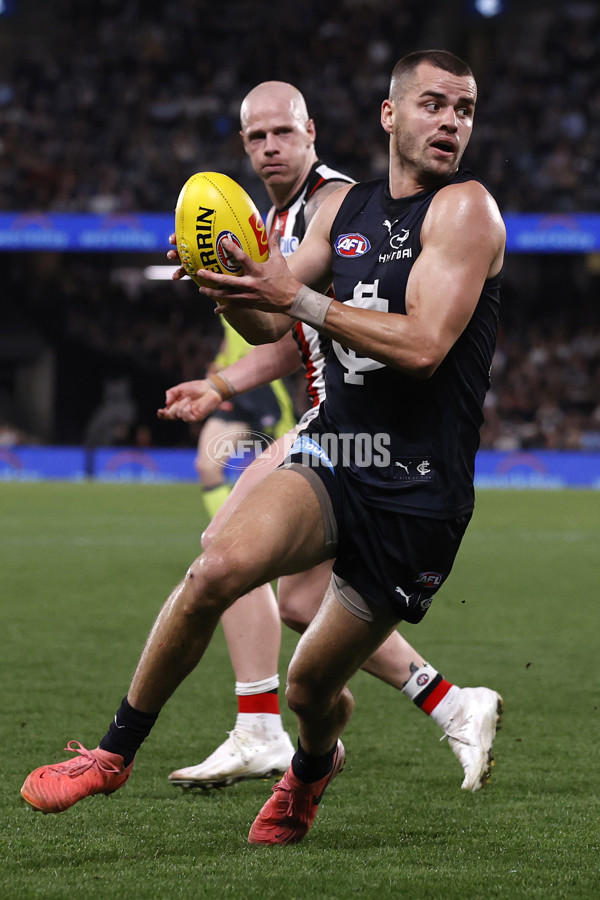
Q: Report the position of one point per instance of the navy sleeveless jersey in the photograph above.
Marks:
(430, 427)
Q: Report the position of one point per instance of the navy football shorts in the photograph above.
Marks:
(396, 561)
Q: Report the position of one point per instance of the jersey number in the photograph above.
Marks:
(364, 297)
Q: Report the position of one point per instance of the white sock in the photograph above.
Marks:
(269, 725)
(258, 707)
(247, 688)
(444, 711)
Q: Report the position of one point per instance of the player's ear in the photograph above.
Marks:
(387, 115)
(311, 130)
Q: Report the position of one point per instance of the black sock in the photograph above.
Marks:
(128, 731)
(309, 768)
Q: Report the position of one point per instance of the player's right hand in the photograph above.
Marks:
(190, 401)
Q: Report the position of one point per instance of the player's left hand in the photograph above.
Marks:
(173, 256)
(191, 401)
(268, 286)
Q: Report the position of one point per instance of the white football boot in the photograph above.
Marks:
(247, 753)
(474, 719)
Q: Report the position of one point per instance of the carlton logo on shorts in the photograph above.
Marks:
(349, 245)
(414, 605)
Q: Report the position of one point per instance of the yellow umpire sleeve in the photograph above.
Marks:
(234, 347)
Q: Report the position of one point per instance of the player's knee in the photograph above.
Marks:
(294, 605)
(220, 576)
(302, 695)
(293, 614)
(298, 698)
(207, 586)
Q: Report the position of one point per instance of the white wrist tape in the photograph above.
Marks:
(311, 307)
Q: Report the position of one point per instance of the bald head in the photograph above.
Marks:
(277, 96)
(278, 137)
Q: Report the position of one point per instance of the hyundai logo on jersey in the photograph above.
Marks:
(352, 245)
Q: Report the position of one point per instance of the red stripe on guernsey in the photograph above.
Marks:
(311, 371)
(316, 187)
(437, 694)
(259, 703)
(279, 222)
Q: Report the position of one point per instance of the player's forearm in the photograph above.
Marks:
(256, 326)
(262, 365)
(396, 340)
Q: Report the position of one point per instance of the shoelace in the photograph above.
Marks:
(289, 812)
(458, 737)
(74, 767)
(240, 743)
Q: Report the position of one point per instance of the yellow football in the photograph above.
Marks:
(211, 207)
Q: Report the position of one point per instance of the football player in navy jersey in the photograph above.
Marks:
(383, 481)
(279, 138)
(415, 263)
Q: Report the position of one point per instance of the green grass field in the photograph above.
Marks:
(84, 568)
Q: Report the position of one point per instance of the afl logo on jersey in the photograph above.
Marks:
(352, 245)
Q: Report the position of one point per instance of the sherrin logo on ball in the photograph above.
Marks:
(211, 207)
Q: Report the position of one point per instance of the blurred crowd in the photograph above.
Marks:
(124, 99)
(545, 391)
(118, 102)
(120, 342)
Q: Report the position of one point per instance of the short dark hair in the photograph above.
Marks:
(441, 59)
